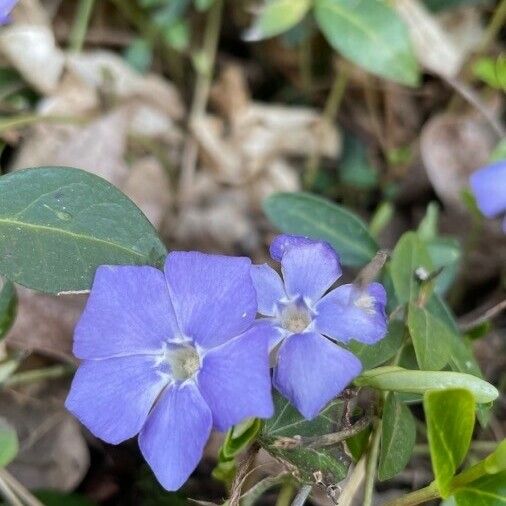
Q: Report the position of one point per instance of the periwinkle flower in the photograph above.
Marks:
(304, 322)
(6, 7)
(170, 355)
(489, 188)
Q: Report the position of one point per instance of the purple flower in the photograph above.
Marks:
(489, 188)
(301, 320)
(170, 356)
(6, 7)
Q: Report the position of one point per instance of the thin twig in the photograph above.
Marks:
(371, 466)
(488, 315)
(56, 371)
(241, 475)
(354, 483)
(8, 494)
(302, 495)
(369, 273)
(26, 496)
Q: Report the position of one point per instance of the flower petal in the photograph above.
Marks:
(173, 439)
(113, 397)
(213, 295)
(348, 313)
(489, 188)
(235, 378)
(269, 288)
(281, 243)
(128, 312)
(312, 370)
(310, 269)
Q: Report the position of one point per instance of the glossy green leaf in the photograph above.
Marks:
(431, 339)
(9, 444)
(491, 71)
(418, 382)
(489, 490)
(316, 217)
(496, 461)
(450, 422)
(377, 354)
(8, 306)
(57, 225)
(409, 254)
(398, 434)
(370, 34)
(330, 463)
(277, 16)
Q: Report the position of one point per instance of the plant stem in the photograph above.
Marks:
(8, 494)
(371, 466)
(80, 25)
(302, 495)
(286, 494)
(24, 495)
(330, 111)
(496, 22)
(418, 497)
(200, 97)
(56, 371)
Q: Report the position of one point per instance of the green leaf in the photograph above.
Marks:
(491, 71)
(355, 168)
(431, 339)
(203, 5)
(57, 225)
(331, 463)
(357, 444)
(8, 306)
(496, 461)
(377, 354)
(398, 434)
(418, 382)
(139, 54)
(444, 252)
(277, 16)
(489, 490)
(54, 498)
(370, 34)
(450, 422)
(306, 214)
(409, 255)
(9, 444)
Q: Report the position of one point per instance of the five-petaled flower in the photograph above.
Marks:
(6, 7)
(302, 322)
(170, 356)
(489, 188)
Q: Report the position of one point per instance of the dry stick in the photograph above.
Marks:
(488, 315)
(371, 466)
(353, 484)
(200, 98)
(302, 495)
(8, 494)
(27, 498)
(241, 475)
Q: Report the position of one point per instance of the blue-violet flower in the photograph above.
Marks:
(310, 369)
(489, 188)
(6, 7)
(169, 355)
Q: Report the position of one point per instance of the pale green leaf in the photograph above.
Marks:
(489, 490)
(9, 444)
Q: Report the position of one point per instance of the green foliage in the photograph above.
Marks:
(442, 5)
(57, 225)
(139, 54)
(8, 306)
(491, 71)
(445, 253)
(409, 254)
(430, 337)
(277, 16)
(370, 34)
(486, 491)
(354, 168)
(377, 354)
(54, 498)
(331, 462)
(306, 214)
(450, 422)
(398, 434)
(9, 444)
(418, 382)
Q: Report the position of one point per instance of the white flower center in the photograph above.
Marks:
(365, 302)
(184, 362)
(295, 319)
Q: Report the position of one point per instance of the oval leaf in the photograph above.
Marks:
(370, 34)
(418, 382)
(277, 17)
(486, 491)
(305, 214)
(450, 422)
(57, 225)
(398, 434)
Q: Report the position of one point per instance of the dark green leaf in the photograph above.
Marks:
(489, 490)
(306, 214)
(398, 434)
(441, 5)
(357, 444)
(370, 34)
(409, 254)
(450, 422)
(9, 444)
(57, 225)
(444, 252)
(431, 339)
(54, 498)
(354, 167)
(377, 354)
(8, 306)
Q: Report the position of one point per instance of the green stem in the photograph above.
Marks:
(371, 466)
(417, 497)
(286, 494)
(496, 22)
(56, 371)
(330, 111)
(80, 26)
